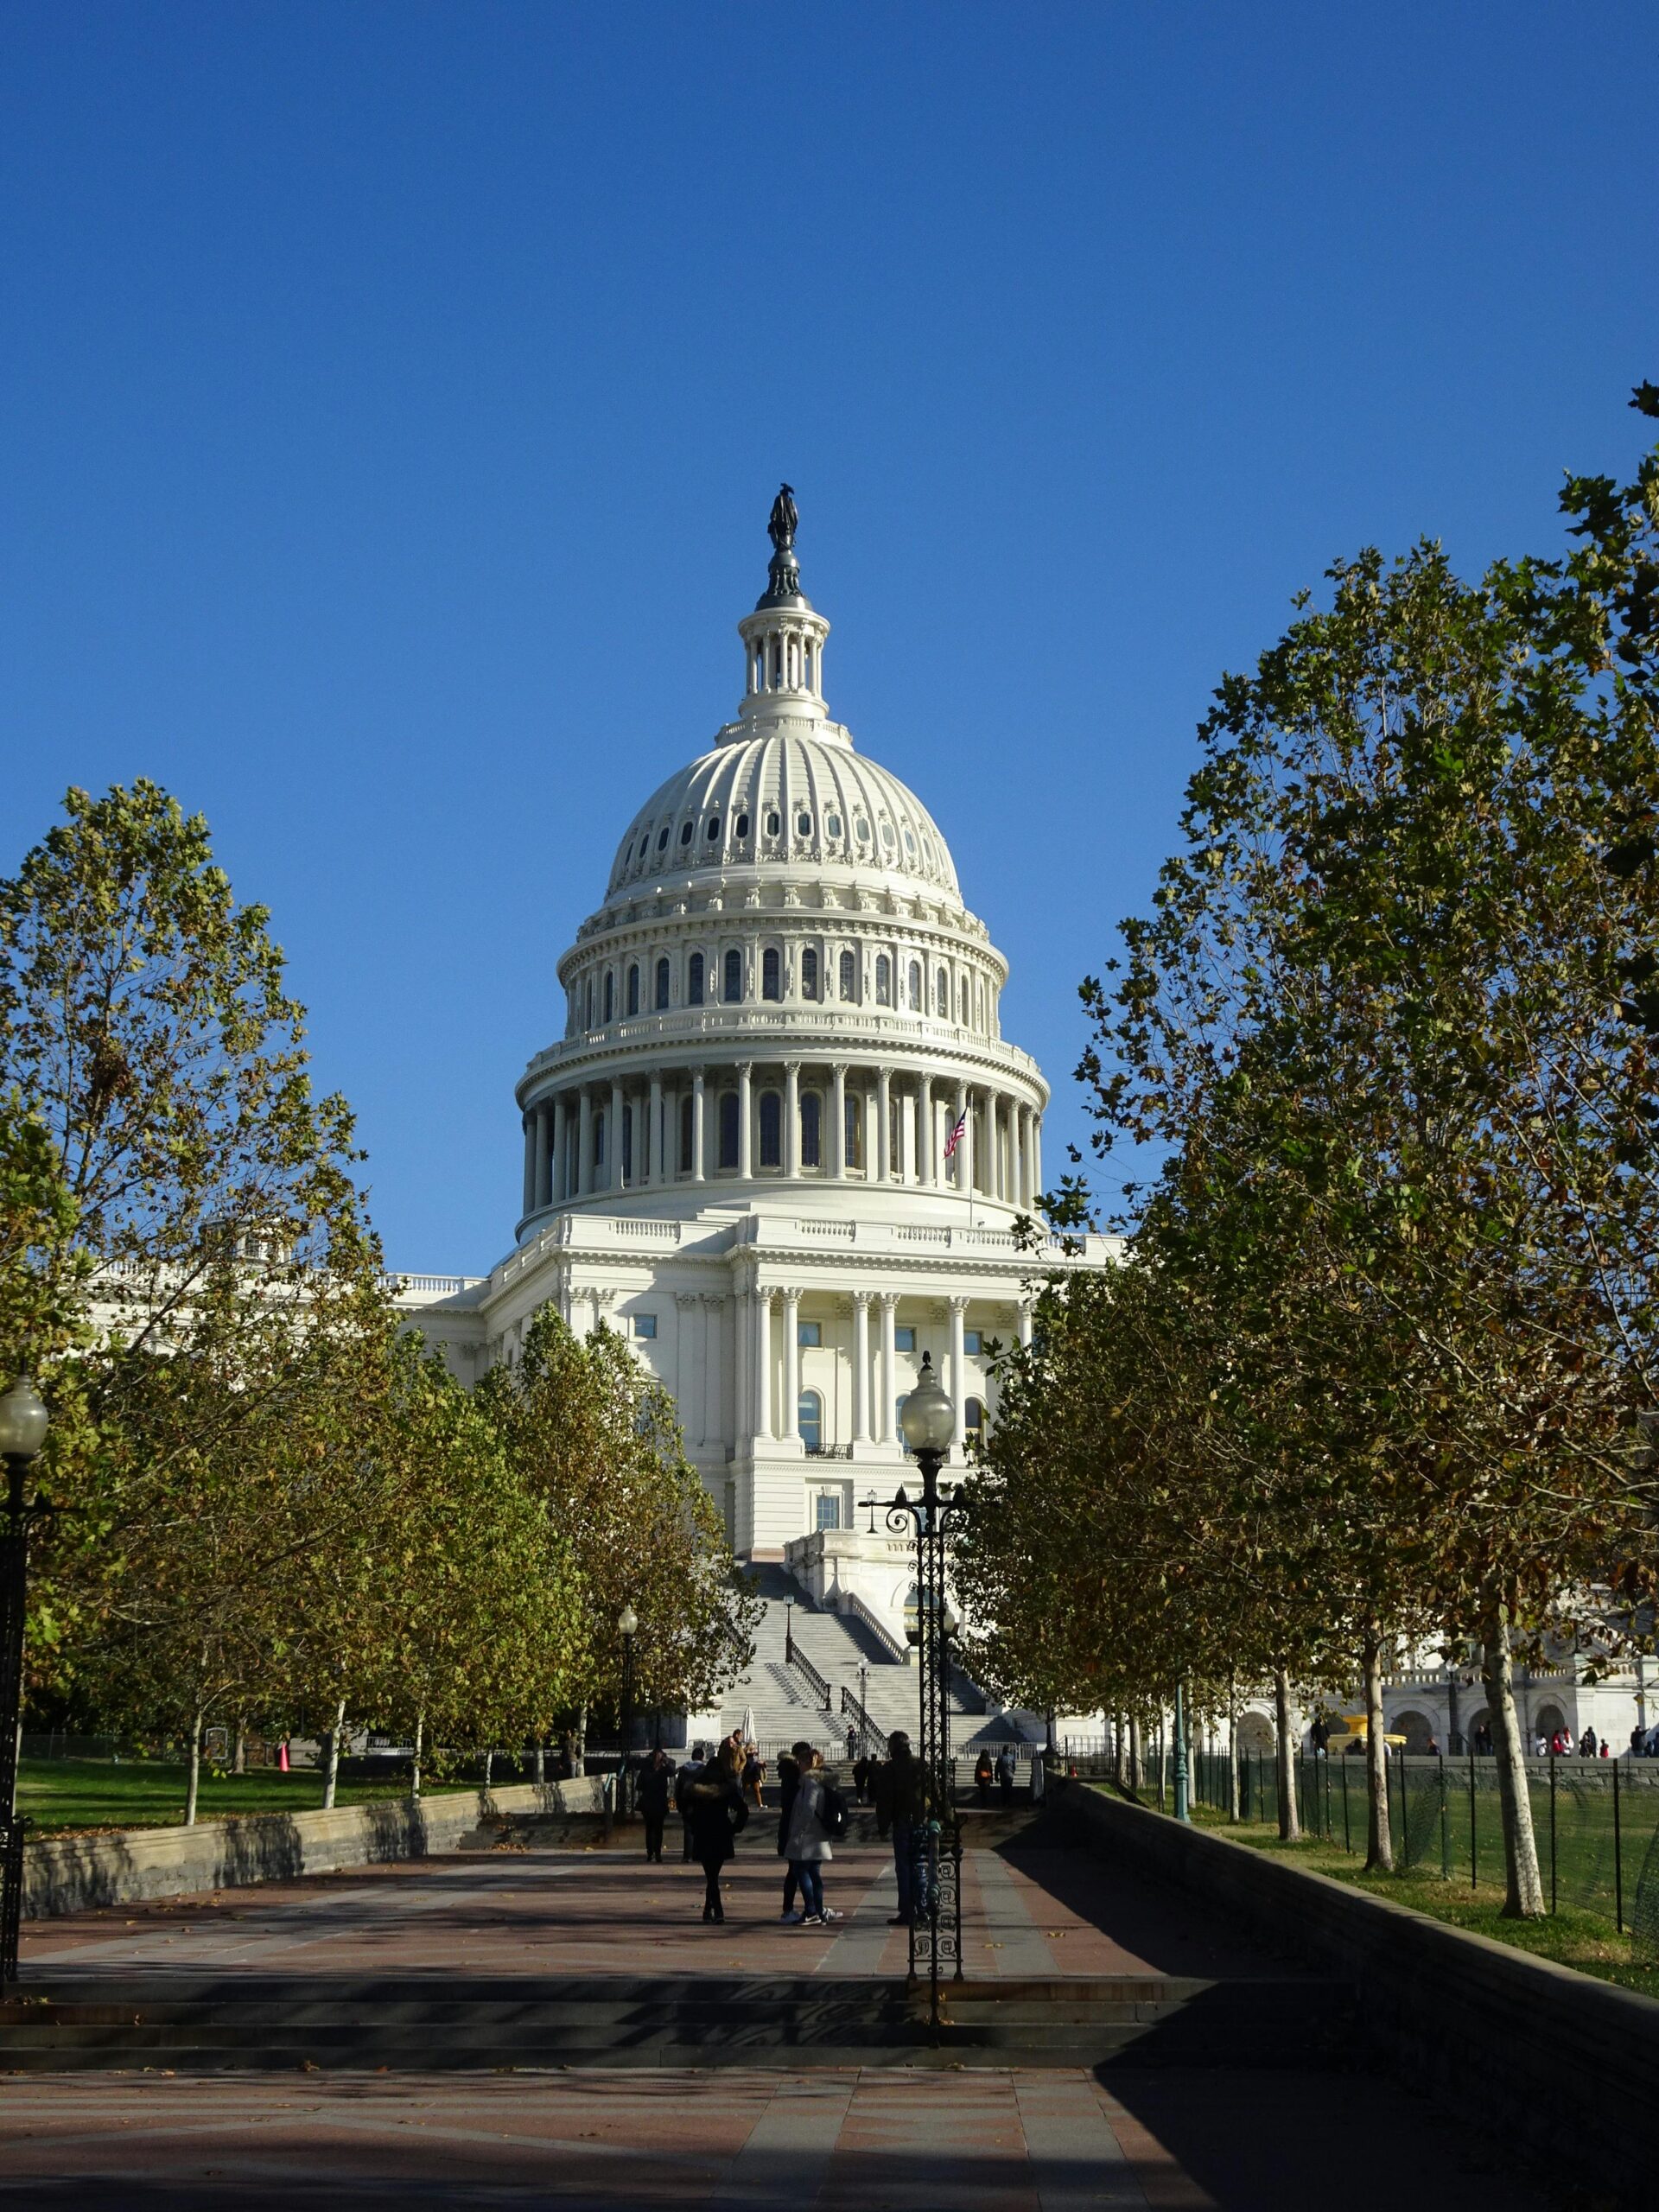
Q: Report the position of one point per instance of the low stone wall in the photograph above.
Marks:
(68, 1873)
(1511, 2041)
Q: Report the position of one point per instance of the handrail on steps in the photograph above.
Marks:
(794, 1657)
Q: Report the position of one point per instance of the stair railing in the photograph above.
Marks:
(870, 1739)
(883, 1635)
(794, 1657)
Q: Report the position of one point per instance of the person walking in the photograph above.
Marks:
(864, 1767)
(1007, 1768)
(901, 1796)
(808, 1843)
(716, 1814)
(683, 1781)
(754, 1775)
(653, 1800)
(789, 1779)
(984, 1774)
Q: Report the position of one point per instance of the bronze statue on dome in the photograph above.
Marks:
(784, 520)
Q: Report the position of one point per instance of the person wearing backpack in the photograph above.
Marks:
(809, 1849)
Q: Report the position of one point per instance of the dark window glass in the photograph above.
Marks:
(687, 1159)
(812, 1127)
(773, 823)
(729, 1128)
(742, 826)
(803, 825)
(973, 1418)
(903, 1341)
(810, 973)
(662, 983)
(770, 973)
(855, 1132)
(809, 1335)
(644, 1324)
(848, 976)
(771, 1129)
(645, 844)
(599, 1140)
(685, 833)
(610, 996)
(734, 977)
(694, 982)
(662, 842)
(587, 1004)
(634, 989)
(943, 995)
(627, 1142)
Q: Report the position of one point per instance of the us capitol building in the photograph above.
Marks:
(736, 1151)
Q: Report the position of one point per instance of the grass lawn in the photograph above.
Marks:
(1573, 1936)
(60, 1795)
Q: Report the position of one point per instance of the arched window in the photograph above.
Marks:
(587, 1004)
(973, 1421)
(811, 1419)
(686, 828)
(899, 1431)
(771, 1129)
(916, 986)
(848, 971)
(734, 977)
(694, 981)
(941, 996)
(809, 972)
(713, 831)
(742, 829)
(662, 842)
(883, 980)
(662, 985)
(729, 1146)
(962, 1003)
(610, 996)
(771, 984)
(598, 1139)
(811, 1129)
(687, 1158)
(634, 986)
(855, 1131)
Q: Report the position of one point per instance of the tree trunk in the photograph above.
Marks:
(331, 1772)
(239, 1757)
(1235, 1809)
(489, 1767)
(1523, 1888)
(1290, 1827)
(195, 1790)
(1117, 1749)
(541, 1759)
(420, 1731)
(1379, 1836)
(1135, 1755)
(579, 1747)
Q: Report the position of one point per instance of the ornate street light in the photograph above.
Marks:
(627, 1627)
(23, 1420)
(929, 1421)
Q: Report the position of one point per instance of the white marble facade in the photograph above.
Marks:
(734, 1149)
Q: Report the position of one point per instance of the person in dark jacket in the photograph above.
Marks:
(715, 1812)
(984, 1774)
(863, 1768)
(652, 1798)
(901, 1802)
(788, 1777)
(683, 1781)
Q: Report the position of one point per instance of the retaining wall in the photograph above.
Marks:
(68, 1873)
(1514, 2041)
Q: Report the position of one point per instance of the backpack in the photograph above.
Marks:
(833, 1813)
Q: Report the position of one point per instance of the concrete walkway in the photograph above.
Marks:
(832, 2140)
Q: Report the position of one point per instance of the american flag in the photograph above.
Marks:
(955, 1136)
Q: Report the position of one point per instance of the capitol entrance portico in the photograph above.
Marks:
(779, 1141)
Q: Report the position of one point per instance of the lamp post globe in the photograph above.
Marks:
(627, 1622)
(928, 1419)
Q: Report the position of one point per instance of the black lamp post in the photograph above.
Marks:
(23, 1431)
(627, 1625)
(929, 1421)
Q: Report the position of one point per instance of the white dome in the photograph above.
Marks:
(795, 794)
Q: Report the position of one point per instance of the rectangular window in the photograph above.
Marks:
(829, 1510)
(903, 1341)
(809, 1332)
(970, 1342)
(644, 1324)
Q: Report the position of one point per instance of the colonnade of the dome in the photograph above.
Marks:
(795, 1120)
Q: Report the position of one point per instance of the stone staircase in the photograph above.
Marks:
(786, 1707)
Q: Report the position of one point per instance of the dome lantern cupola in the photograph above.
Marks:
(783, 640)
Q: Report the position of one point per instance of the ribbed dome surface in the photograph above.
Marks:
(791, 797)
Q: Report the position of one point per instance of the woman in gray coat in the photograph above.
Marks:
(808, 1849)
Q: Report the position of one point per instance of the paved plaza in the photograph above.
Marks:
(981, 2138)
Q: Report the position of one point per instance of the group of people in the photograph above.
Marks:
(714, 1796)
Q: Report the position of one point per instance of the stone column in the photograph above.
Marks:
(965, 1152)
(1036, 1156)
(742, 1364)
(531, 1138)
(713, 1370)
(613, 1141)
(792, 1428)
(699, 1150)
(761, 1375)
(838, 1123)
(958, 1372)
(924, 1161)
(659, 1163)
(552, 1150)
(1023, 1314)
(793, 1118)
(889, 1385)
(1017, 1153)
(884, 1117)
(745, 1121)
(861, 1367)
(585, 1163)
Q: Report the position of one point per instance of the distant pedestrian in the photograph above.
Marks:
(1432, 1748)
(810, 1826)
(864, 1767)
(716, 1814)
(852, 1741)
(653, 1793)
(1007, 1768)
(901, 1794)
(984, 1774)
(754, 1775)
(683, 1781)
(1587, 1744)
(789, 1781)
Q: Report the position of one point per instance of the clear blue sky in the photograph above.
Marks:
(392, 396)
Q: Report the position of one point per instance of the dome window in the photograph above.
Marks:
(883, 980)
(742, 826)
(861, 831)
(803, 825)
(713, 830)
(694, 981)
(685, 832)
(662, 842)
(832, 824)
(773, 823)
(809, 972)
(610, 996)
(916, 986)
(771, 1129)
(633, 988)
(688, 1131)
(848, 970)
(645, 844)
(887, 833)
(662, 985)
(910, 843)
(772, 985)
(734, 977)
(941, 996)
(811, 1129)
(729, 1128)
